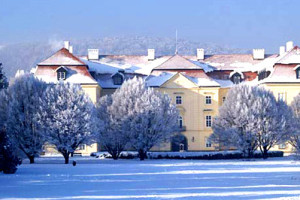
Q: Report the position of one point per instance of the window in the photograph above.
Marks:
(207, 143)
(223, 99)
(208, 121)
(178, 100)
(61, 75)
(282, 146)
(298, 73)
(81, 147)
(193, 139)
(117, 79)
(281, 96)
(180, 122)
(208, 99)
(236, 78)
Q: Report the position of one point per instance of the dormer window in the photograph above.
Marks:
(61, 73)
(236, 78)
(298, 73)
(297, 70)
(118, 78)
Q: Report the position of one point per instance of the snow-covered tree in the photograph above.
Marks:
(154, 118)
(136, 117)
(271, 120)
(22, 108)
(111, 136)
(251, 118)
(3, 79)
(8, 154)
(68, 117)
(234, 125)
(294, 138)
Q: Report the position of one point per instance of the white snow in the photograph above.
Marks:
(274, 178)
(156, 81)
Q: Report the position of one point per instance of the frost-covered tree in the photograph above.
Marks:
(251, 118)
(3, 79)
(22, 109)
(294, 138)
(67, 115)
(154, 118)
(234, 125)
(111, 136)
(271, 120)
(137, 117)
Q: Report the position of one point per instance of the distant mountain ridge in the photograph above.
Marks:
(26, 55)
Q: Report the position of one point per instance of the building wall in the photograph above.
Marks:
(93, 91)
(193, 109)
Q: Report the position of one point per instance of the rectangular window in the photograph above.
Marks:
(281, 96)
(178, 100)
(81, 147)
(207, 143)
(282, 146)
(208, 99)
(298, 73)
(61, 75)
(208, 121)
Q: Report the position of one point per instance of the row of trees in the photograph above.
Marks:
(251, 119)
(34, 113)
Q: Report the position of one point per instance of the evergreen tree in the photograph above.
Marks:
(22, 109)
(67, 116)
(3, 79)
(8, 155)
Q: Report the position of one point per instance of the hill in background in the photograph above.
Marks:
(26, 55)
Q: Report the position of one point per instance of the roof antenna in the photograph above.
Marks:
(176, 50)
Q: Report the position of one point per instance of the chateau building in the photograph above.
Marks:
(197, 84)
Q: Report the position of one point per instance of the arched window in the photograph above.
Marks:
(180, 122)
(236, 78)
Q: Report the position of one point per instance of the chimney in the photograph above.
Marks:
(151, 54)
(67, 44)
(281, 50)
(71, 49)
(200, 54)
(258, 54)
(93, 54)
(289, 46)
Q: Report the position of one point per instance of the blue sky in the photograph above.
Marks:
(236, 23)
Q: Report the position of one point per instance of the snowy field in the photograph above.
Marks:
(275, 178)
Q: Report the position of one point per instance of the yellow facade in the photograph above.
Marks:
(193, 110)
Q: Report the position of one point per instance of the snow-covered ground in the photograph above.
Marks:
(275, 178)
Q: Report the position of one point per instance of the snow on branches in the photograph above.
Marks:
(250, 118)
(67, 116)
(137, 117)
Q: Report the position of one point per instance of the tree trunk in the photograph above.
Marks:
(66, 156)
(265, 153)
(250, 153)
(142, 154)
(114, 155)
(31, 159)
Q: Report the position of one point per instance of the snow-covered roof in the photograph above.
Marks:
(75, 74)
(131, 64)
(62, 57)
(202, 82)
(106, 80)
(158, 80)
(177, 62)
(291, 57)
(282, 74)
